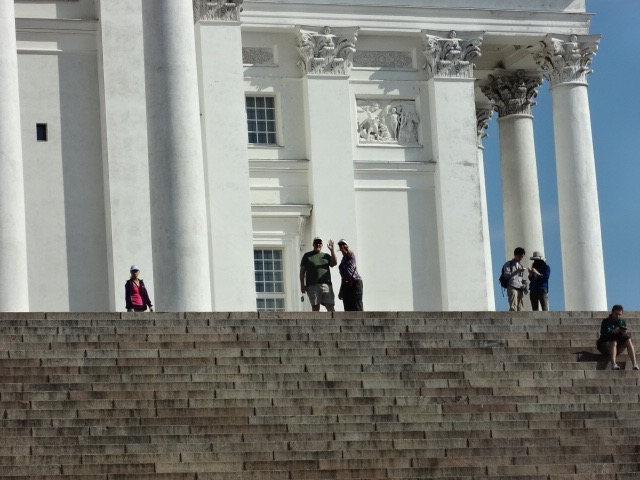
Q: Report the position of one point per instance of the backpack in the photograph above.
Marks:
(503, 281)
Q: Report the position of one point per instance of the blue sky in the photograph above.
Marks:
(614, 97)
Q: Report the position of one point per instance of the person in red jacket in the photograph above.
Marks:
(136, 296)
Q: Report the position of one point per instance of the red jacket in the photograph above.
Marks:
(143, 293)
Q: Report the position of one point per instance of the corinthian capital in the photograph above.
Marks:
(512, 94)
(451, 56)
(566, 59)
(483, 115)
(221, 10)
(327, 51)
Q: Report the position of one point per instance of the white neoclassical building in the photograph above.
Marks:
(210, 141)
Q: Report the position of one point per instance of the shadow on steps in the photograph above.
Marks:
(601, 360)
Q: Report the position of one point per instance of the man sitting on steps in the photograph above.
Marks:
(614, 338)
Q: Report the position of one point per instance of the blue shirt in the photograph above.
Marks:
(540, 282)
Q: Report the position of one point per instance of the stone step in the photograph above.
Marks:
(393, 405)
(423, 348)
(146, 424)
(59, 356)
(460, 395)
(327, 333)
(17, 334)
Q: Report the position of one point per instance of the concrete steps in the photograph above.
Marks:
(402, 395)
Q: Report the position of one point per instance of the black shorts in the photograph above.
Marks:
(620, 338)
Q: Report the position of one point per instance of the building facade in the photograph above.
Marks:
(210, 141)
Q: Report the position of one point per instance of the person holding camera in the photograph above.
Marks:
(539, 282)
(614, 338)
(513, 271)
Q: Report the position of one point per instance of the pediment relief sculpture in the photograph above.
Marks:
(390, 122)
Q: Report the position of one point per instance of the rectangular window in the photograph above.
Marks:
(261, 120)
(41, 132)
(269, 278)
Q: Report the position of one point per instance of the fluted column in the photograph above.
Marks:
(224, 132)
(14, 288)
(325, 58)
(566, 61)
(513, 94)
(483, 115)
(176, 171)
(462, 239)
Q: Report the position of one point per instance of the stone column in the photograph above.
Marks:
(483, 115)
(566, 63)
(178, 202)
(125, 152)
(14, 288)
(462, 241)
(224, 131)
(325, 58)
(513, 96)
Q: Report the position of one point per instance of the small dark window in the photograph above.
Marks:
(41, 132)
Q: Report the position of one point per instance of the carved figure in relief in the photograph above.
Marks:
(325, 52)
(451, 56)
(383, 132)
(347, 47)
(325, 44)
(408, 132)
(399, 110)
(369, 128)
(387, 122)
(394, 123)
(305, 46)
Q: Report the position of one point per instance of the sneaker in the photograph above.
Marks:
(635, 367)
(615, 366)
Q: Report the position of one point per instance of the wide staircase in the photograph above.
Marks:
(271, 396)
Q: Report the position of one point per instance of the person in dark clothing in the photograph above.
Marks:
(614, 338)
(351, 287)
(136, 296)
(315, 276)
(539, 282)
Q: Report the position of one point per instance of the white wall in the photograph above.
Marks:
(398, 241)
(63, 183)
(76, 9)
